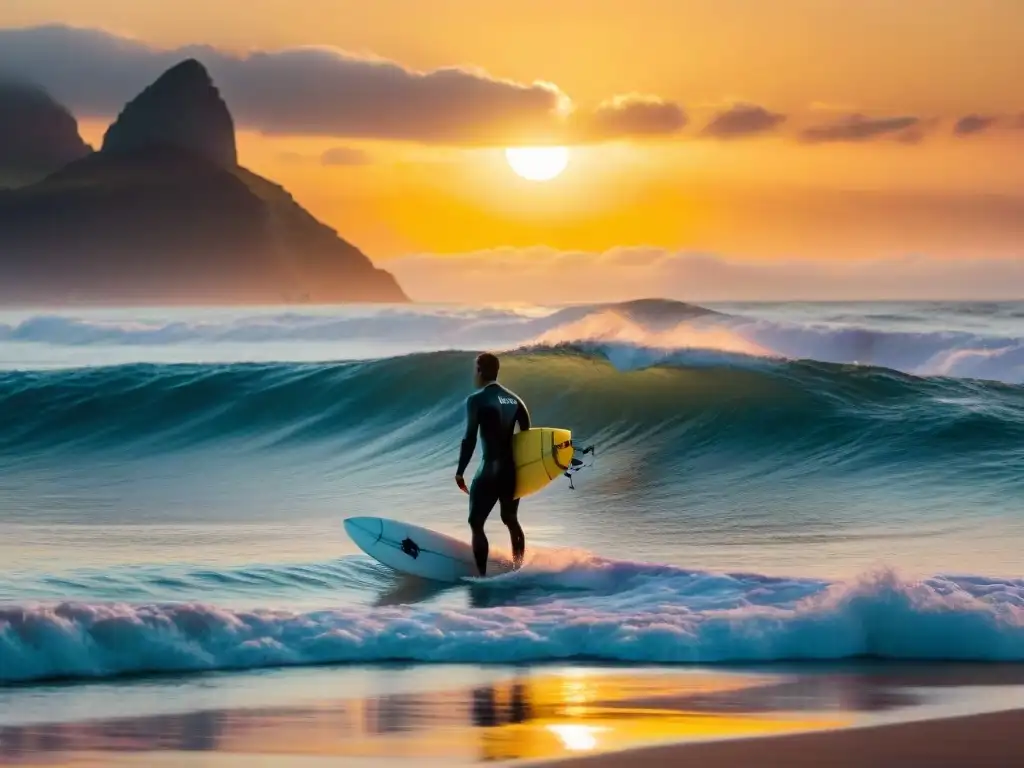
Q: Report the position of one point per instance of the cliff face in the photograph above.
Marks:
(163, 213)
(37, 135)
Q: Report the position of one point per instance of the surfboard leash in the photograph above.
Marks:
(576, 464)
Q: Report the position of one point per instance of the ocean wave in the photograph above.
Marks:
(753, 409)
(450, 325)
(289, 581)
(925, 353)
(910, 340)
(631, 612)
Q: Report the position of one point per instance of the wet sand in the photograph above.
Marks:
(599, 717)
(973, 741)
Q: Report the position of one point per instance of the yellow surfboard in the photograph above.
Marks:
(541, 455)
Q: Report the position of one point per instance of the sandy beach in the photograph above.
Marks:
(995, 739)
(964, 742)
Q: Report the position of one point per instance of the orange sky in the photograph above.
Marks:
(640, 179)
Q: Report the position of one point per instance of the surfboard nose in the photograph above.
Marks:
(362, 526)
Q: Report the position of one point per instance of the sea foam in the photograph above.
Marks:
(580, 607)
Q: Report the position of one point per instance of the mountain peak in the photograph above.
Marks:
(183, 109)
(38, 135)
(187, 72)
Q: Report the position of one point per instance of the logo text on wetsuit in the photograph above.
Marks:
(507, 400)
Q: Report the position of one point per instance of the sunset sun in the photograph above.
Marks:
(537, 163)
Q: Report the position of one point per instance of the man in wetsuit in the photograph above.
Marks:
(494, 411)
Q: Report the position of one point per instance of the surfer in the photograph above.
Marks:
(494, 411)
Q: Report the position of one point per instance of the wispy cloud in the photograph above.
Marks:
(742, 120)
(857, 127)
(548, 275)
(632, 115)
(972, 124)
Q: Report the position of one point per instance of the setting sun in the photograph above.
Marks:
(537, 163)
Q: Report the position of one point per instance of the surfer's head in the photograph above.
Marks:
(486, 369)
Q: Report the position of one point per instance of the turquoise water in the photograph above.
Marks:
(771, 482)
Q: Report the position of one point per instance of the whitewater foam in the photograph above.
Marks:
(633, 613)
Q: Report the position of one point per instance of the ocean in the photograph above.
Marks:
(771, 482)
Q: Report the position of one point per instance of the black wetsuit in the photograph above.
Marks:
(494, 411)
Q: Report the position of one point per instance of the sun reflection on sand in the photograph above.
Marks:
(541, 716)
(577, 738)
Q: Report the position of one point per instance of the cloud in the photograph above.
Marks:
(332, 157)
(632, 115)
(971, 124)
(344, 156)
(308, 91)
(546, 275)
(319, 91)
(742, 120)
(857, 127)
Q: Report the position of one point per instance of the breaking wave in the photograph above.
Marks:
(586, 608)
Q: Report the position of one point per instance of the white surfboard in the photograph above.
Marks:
(418, 551)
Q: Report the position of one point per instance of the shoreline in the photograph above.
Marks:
(989, 740)
(568, 716)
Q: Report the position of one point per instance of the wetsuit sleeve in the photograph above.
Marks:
(469, 440)
(522, 416)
